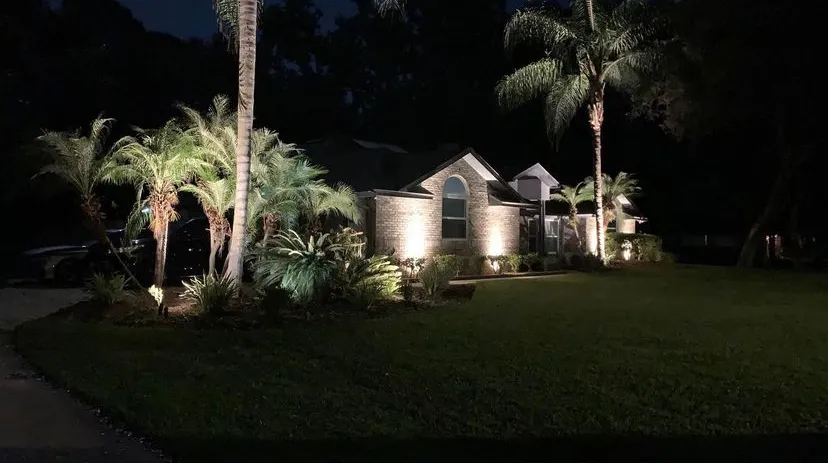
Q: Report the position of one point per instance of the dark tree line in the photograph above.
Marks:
(737, 105)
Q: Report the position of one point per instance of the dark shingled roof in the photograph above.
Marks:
(363, 167)
(366, 165)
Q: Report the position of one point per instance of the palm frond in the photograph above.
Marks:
(567, 96)
(227, 12)
(340, 200)
(528, 83)
(542, 26)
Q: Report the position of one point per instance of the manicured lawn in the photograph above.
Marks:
(661, 363)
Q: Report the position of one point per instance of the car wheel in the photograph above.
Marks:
(68, 272)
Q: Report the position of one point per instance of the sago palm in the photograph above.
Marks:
(572, 197)
(585, 51)
(157, 163)
(80, 161)
(238, 20)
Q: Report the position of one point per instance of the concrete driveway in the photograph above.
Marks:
(39, 423)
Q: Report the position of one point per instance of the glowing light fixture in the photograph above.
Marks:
(495, 246)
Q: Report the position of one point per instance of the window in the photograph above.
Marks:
(454, 208)
(551, 227)
(611, 226)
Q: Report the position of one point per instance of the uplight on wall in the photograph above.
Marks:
(414, 237)
(495, 246)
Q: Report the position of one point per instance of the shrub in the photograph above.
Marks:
(210, 294)
(512, 262)
(436, 274)
(107, 290)
(551, 263)
(412, 266)
(450, 261)
(304, 269)
(532, 262)
(471, 265)
(364, 281)
(645, 247)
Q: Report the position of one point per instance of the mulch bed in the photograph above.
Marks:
(249, 314)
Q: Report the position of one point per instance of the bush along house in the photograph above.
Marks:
(448, 201)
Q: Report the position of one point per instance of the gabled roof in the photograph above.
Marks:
(538, 171)
(385, 168)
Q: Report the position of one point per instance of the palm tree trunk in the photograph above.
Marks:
(214, 245)
(591, 15)
(248, 17)
(160, 254)
(91, 207)
(573, 222)
(596, 121)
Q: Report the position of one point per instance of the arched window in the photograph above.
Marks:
(455, 197)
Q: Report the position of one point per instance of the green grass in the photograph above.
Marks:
(600, 362)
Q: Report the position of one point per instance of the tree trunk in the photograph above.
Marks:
(573, 221)
(248, 17)
(591, 15)
(92, 207)
(596, 121)
(160, 254)
(747, 256)
(214, 246)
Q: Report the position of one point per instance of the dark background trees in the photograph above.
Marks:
(744, 92)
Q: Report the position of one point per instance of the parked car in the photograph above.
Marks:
(69, 264)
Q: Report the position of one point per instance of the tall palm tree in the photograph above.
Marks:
(80, 161)
(572, 197)
(615, 188)
(157, 162)
(238, 20)
(584, 52)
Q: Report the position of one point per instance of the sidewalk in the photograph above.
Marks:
(39, 423)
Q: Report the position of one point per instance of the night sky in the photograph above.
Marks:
(195, 18)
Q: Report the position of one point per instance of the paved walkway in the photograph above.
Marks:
(37, 422)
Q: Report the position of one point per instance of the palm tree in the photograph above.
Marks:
(584, 52)
(214, 136)
(325, 200)
(157, 162)
(621, 186)
(216, 196)
(572, 197)
(79, 161)
(238, 20)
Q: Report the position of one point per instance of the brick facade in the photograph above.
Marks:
(413, 226)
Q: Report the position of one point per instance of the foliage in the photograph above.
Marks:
(578, 61)
(645, 247)
(532, 261)
(437, 273)
(471, 265)
(210, 294)
(412, 265)
(157, 294)
(79, 160)
(364, 281)
(588, 263)
(615, 188)
(572, 197)
(107, 289)
(512, 263)
(306, 269)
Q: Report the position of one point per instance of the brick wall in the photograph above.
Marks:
(413, 226)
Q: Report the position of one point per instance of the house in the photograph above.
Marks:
(446, 201)
(418, 204)
(547, 227)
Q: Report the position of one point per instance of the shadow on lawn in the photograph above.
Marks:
(775, 448)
